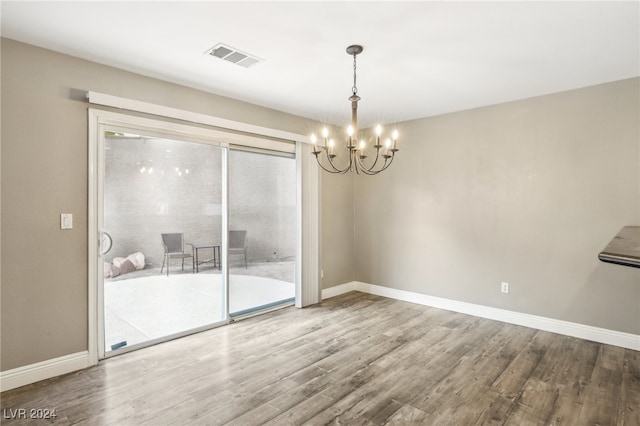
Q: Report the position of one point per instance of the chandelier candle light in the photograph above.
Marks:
(357, 150)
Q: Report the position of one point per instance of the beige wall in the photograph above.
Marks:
(338, 257)
(44, 173)
(526, 192)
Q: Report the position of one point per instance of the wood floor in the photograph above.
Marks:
(354, 359)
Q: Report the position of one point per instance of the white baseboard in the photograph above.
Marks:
(339, 289)
(587, 332)
(32, 373)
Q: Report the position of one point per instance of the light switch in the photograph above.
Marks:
(66, 221)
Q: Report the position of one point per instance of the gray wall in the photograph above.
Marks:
(526, 192)
(44, 173)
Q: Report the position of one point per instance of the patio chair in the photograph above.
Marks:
(238, 244)
(174, 249)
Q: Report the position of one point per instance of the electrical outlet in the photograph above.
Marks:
(505, 287)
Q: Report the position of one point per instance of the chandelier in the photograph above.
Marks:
(357, 149)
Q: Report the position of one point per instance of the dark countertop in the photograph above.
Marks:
(624, 249)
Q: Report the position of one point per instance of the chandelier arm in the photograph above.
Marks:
(356, 168)
(376, 160)
(360, 165)
(364, 170)
(337, 170)
(316, 154)
(370, 171)
(353, 159)
(333, 166)
(357, 163)
(334, 171)
(353, 154)
(361, 162)
(387, 163)
(327, 170)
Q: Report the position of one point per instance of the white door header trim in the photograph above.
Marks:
(193, 117)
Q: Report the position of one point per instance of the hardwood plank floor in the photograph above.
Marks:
(354, 359)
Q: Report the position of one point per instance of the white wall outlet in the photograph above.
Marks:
(66, 221)
(505, 287)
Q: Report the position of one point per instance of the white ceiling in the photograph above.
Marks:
(420, 58)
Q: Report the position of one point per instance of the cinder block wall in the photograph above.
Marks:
(262, 200)
(155, 186)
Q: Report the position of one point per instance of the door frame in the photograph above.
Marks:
(308, 283)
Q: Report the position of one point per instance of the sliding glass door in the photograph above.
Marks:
(191, 227)
(162, 221)
(262, 230)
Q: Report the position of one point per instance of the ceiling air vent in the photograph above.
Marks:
(233, 55)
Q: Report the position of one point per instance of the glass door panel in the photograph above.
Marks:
(262, 230)
(162, 214)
